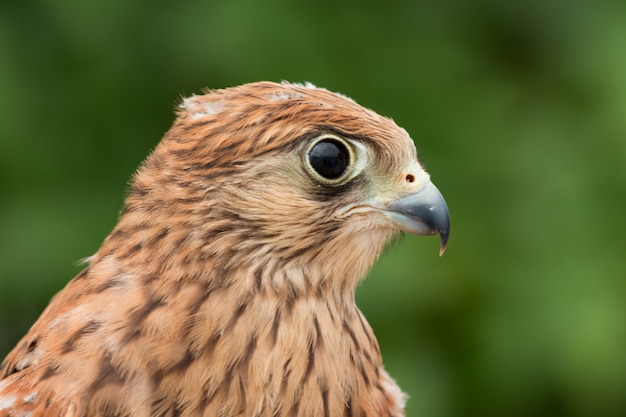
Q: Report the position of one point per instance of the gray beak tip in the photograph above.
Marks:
(423, 213)
(443, 236)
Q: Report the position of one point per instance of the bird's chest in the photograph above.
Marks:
(305, 359)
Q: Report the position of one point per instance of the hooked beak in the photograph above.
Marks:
(422, 213)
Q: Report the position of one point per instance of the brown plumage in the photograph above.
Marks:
(227, 286)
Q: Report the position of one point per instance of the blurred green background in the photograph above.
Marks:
(518, 109)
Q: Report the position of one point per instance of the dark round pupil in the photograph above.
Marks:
(329, 158)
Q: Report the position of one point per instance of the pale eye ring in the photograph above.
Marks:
(329, 159)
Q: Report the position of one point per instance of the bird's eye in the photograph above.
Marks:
(329, 158)
(332, 160)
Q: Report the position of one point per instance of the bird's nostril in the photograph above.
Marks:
(409, 178)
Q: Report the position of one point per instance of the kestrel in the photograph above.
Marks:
(227, 286)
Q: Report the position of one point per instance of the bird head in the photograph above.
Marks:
(227, 286)
(280, 179)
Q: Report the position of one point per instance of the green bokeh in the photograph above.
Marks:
(518, 109)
